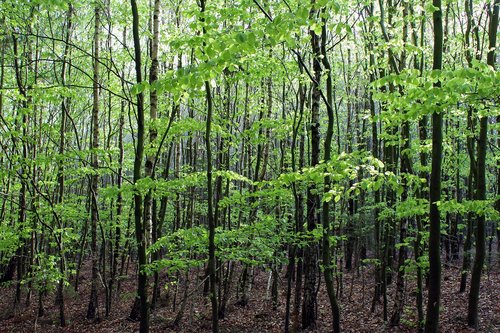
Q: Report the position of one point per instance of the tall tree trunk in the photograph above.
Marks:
(92, 310)
(210, 213)
(406, 170)
(375, 153)
(472, 314)
(298, 200)
(309, 314)
(327, 227)
(119, 184)
(434, 297)
(142, 279)
(22, 128)
(60, 171)
(149, 171)
(422, 191)
(150, 216)
(471, 28)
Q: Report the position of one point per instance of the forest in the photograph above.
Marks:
(249, 166)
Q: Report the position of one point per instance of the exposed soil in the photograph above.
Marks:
(258, 315)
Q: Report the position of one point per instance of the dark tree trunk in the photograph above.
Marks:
(93, 308)
(327, 226)
(142, 279)
(472, 315)
(212, 265)
(309, 314)
(433, 301)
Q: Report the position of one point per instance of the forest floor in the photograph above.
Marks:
(258, 316)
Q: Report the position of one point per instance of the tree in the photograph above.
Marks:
(472, 314)
(256, 153)
(142, 279)
(309, 314)
(93, 308)
(210, 213)
(60, 171)
(326, 246)
(434, 297)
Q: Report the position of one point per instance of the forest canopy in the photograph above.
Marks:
(177, 157)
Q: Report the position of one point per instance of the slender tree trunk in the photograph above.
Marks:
(309, 314)
(119, 201)
(472, 315)
(294, 250)
(471, 28)
(150, 205)
(93, 310)
(466, 260)
(421, 192)
(406, 170)
(142, 279)
(60, 171)
(21, 86)
(298, 200)
(210, 214)
(149, 215)
(210, 217)
(433, 301)
(327, 227)
(375, 153)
